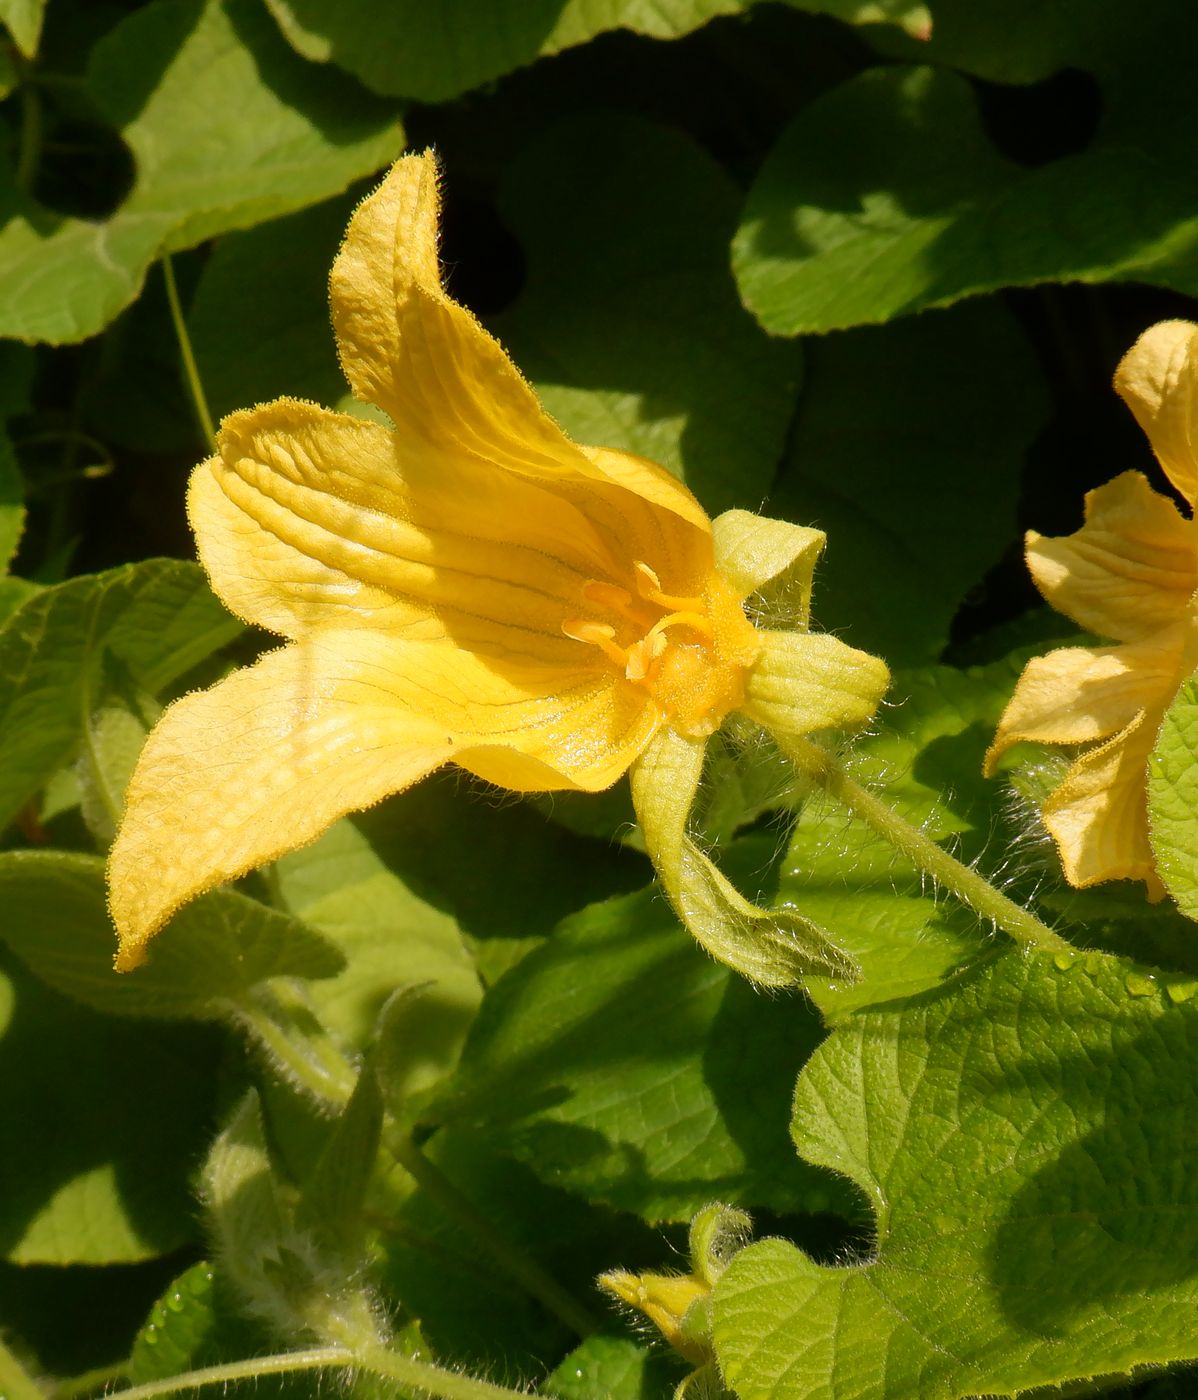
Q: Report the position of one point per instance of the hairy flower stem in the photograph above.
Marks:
(969, 887)
(417, 1375)
(190, 369)
(302, 1052)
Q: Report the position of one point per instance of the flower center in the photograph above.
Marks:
(689, 653)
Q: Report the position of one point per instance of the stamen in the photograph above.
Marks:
(698, 622)
(650, 589)
(596, 634)
(606, 595)
(642, 656)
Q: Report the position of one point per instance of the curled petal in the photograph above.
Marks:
(1098, 816)
(1129, 571)
(802, 682)
(1158, 380)
(774, 948)
(1076, 695)
(771, 558)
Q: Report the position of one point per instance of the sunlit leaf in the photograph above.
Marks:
(227, 127)
(158, 618)
(1019, 1137)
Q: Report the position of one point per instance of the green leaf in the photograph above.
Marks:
(286, 347)
(616, 1368)
(12, 508)
(889, 455)
(390, 937)
(227, 127)
(630, 327)
(927, 763)
(620, 1062)
(886, 196)
(1173, 799)
(468, 1306)
(411, 51)
(158, 618)
(54, 916)
(23, 20)
(1019, 1137)
(915, 18)
(104, 1121)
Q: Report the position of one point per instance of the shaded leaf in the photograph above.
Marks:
(903, 433)
(619, 1061)
(630, 327)
(105, 1120)
(411, 51)
(54, 916)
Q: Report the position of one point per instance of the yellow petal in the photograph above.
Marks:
(1158, 379)
(308, 519)
(266, 760)
(774, 948)
(1129, 571)
(802, 682)
(771, 558)
(1076, 695)
(234, 776)
(448, 385)
(1098, 816)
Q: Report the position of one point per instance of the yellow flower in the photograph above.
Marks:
(468, 586)
(1129, 573)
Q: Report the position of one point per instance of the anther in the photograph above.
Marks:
(596, 634)
(606, 595)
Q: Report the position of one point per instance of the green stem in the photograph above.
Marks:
(190, 369)
(968, 886)
(312, 1061)
(15, 1382)
(519, 1266)
(90, 1382)
(419, 1375)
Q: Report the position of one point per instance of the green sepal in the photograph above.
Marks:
(773, 948)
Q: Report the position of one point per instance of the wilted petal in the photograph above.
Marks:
(1076, 695)
(802, 682)
(775, 948)
(770, 558)
(1129, 571)
(1099, 815)
(1158, 379)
